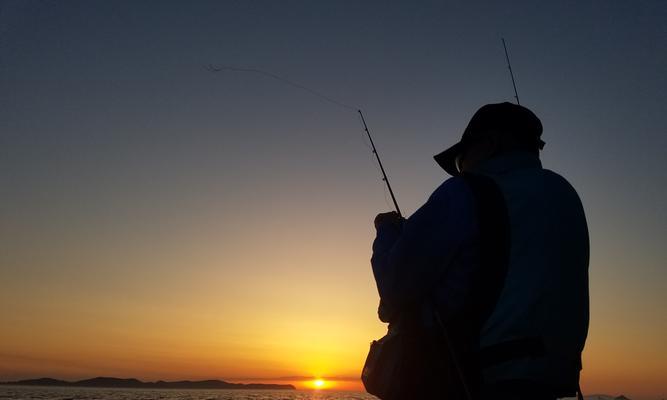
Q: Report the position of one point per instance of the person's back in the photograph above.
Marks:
(540, 319)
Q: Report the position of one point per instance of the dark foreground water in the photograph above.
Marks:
(66, 393)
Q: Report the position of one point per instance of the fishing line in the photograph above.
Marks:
(220, 68)
(284, 80)
(364, 139)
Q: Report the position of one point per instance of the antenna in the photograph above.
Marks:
(509, 65)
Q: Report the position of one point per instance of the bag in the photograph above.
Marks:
(382, 365)
(412, 361)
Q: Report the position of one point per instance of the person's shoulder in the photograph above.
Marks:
(455, 186)
(555, 178)
(558, 183)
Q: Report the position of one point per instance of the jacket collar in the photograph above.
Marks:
(507, 162)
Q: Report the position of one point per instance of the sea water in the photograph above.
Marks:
(71, 393)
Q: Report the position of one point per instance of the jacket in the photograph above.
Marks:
(543, 295)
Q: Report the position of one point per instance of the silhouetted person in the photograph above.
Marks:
(501, 250)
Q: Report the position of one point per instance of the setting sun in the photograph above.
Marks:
(319, 384)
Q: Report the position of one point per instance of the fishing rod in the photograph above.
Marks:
(385, 179)
(377, 156)
(509, 66)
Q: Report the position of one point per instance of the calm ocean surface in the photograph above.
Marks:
(65, 393)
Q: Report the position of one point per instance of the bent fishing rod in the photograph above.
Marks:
(377, 156)
(385, 179)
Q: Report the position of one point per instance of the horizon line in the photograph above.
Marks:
(230, 380)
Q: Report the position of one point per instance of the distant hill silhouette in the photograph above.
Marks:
(108, 382)
(600, 397)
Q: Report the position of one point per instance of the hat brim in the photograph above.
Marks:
(447, 159)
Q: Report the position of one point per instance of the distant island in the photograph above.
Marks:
(606, 397)
(131, 383)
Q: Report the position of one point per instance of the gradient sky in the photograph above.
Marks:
(164, 222)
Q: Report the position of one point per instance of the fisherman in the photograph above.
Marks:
(501, 248)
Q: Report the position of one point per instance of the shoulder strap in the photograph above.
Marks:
(452, 353)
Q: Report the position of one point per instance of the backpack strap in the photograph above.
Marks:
(452, 353)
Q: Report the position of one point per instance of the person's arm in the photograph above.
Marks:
(408, 258)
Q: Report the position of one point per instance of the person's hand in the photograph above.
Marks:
(388, 218)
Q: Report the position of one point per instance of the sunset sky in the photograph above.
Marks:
(160, 221)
